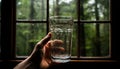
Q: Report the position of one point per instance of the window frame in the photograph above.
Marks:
(11, 29)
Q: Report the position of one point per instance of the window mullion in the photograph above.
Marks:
(23, 21)
(47, 16)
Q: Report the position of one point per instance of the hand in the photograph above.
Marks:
(40, 56)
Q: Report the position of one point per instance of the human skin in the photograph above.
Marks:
(40, 56)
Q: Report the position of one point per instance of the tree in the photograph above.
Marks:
(92, 38)
(27, 34)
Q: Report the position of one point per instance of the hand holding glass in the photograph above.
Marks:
(61, 28)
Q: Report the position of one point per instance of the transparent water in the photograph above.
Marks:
(61, 58)
(61, 28)
(61, 53)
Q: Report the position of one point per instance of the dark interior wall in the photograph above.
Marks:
(6, 54)
(70, 65)
(7, 22)
(7, 64)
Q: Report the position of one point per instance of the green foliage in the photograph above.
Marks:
(28, 34)
(31, 9)
(91, 40)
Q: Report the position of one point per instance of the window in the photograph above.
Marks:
(91, 36)
(31, 24)
(27, 22)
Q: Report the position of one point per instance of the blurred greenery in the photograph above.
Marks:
(27, 34)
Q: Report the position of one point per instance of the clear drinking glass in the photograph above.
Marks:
(61, 28)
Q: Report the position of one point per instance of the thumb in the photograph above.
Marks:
(42, 43)
(37, 51)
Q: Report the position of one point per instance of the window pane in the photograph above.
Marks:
(94, 9)
(63, 7)
(97, 40)
(27, 35)
(74, 40)
(31, 9)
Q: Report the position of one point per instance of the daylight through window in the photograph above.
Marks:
(91, 34)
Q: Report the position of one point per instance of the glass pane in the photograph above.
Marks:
(95, 10)
(27, 35)
(74, 41)
(63, 7)
(97, 40)
(31, 9)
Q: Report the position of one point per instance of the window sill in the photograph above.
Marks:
(69, 65)
(93, 61)
(70, 60)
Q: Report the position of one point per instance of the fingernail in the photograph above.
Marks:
(49, 34)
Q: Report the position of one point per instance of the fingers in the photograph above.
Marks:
(37, 53)
(42, 43)
(50, 46)
(57, 42)
(48, 49)
(53, 45)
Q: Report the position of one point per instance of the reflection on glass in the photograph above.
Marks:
(27, 35)
(31, 9)
(97, 40)
(94, 9)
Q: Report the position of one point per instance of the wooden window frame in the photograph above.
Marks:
(9, 29)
